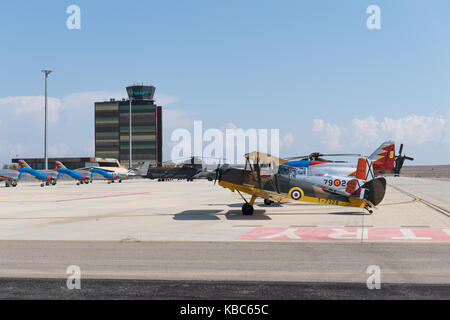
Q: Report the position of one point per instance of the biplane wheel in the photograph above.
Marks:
(368, 208)
(247, 209)
(268, 202)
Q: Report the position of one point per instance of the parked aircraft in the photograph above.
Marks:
(10, 177)
(111, 177)
(45, 176)
(192, 168)
(81, 176)
(119, 172)
(187, 170)
(312, 180)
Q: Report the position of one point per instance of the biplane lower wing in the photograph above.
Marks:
(259, 193)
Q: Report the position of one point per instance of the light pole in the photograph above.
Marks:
(131, 144)
(47, 72)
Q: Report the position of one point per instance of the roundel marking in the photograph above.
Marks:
(296, 193)
(337, 182)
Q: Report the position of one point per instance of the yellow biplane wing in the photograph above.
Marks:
(260, 157)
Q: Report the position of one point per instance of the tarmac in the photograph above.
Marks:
(195, 231)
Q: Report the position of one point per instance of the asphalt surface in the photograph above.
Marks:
(12, 288)
(188, 240)
(228, 261)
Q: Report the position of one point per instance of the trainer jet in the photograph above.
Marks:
(45, 176)
(119, 173)
(81, 176)
(106, 175)
(311, 179)
(10, 177)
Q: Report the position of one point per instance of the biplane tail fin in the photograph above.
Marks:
(372, 191)
(383, 158)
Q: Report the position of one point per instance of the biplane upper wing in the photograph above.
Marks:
(262, 157)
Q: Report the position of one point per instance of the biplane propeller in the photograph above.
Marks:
(399, 160)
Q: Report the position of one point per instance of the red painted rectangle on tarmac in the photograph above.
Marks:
(346, 234)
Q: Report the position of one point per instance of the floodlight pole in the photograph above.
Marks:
(131, 144)
(47, 72)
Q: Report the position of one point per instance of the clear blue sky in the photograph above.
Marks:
(260, 64)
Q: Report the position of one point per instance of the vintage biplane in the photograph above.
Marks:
(312, 179)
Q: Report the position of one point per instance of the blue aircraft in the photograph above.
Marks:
(80, 175)
(106, 175)
(45, 178)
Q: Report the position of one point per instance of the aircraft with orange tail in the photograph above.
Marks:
(313, 179)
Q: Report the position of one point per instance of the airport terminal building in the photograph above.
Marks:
(112, 127)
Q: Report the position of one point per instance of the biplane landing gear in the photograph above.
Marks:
(368, 208)
(268, 202)
(247, 209)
